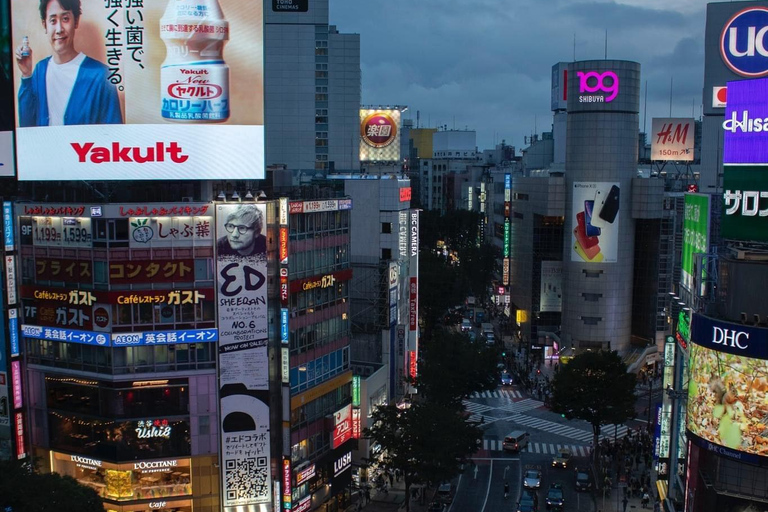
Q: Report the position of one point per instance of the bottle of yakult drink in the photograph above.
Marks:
(194, 79)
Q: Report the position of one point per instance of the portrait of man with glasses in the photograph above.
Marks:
(243, 227)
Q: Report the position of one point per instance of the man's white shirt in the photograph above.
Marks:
(59, 82)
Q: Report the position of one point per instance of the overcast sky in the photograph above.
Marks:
(486, 64)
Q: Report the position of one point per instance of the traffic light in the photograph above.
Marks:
(504, 354)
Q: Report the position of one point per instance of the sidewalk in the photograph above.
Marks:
(623, 470)
(393, 500)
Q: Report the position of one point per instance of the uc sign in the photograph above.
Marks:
(743, 42)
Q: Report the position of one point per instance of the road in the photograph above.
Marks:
(506, 409)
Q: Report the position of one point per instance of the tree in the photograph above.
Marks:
(595, 387)
(451, 367)
(437, 288)
(427, 442)
(24, 489)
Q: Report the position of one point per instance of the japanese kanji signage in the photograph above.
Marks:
(745, 204)
(119, 339)
(342, 426)
(379, 135)
(146, 104)
(695, 236)
(243, 369)
(148, 232)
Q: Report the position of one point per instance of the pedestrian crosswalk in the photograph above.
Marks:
(498, 393)
(477, 411)
(495, 445)
(522, 406)
(560, 429)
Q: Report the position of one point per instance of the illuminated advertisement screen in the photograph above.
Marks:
(745, 203)
(179, 83)
(243, 369)
(595, 221)
(6, 95)
(727, 388)
(672, 139)
(745, 127)
(695, 234)
(379, 135)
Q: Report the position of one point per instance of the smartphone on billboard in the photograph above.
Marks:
(589, 228)
(592, 255)
(608, 205)
(581, 235)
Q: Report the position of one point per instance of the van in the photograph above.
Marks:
(515, 441)
(487, 328)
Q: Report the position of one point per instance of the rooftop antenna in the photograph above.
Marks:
(693, 108)
(606, 44)
(671, 79)
(574, 47)
(645, 109)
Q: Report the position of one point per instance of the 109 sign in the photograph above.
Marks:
(743, 42)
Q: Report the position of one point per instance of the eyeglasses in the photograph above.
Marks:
(240, 229)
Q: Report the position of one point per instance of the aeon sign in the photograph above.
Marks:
(593, 82)
(743, 42)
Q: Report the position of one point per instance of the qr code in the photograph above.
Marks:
(246, 479)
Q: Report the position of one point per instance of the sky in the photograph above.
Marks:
(486, 65)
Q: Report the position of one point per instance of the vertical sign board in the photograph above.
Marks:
(745, 203)
(241, 274)
(695, 235)
(413, 287)
(551, 289)
(8, 226)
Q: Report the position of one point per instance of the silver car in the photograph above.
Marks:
(532, 479)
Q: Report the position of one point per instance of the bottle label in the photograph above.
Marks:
(195, 91)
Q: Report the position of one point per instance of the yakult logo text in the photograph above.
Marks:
(746, 124)
(729, 337)
(742, 42)
(118, 153)
(592, 82)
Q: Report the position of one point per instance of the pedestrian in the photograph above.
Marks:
(391, 479)
(656, 506)
(625, 502)
(645, 500)
(367, 494)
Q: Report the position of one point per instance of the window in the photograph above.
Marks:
(386, 227)
(386, 254)
(591, 297)
(204, 425)
(591, 320)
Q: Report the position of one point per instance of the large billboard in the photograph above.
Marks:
(727, 388)
(551, 292)
(180, 85)
(695, 235)
(672, 139)
(733, 48)
(595, 217)
(745, 139)
(379, 135)
(241, 276)
(6, 94)
(745, 204)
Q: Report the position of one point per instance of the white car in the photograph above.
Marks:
(532, 479)
(466, 325)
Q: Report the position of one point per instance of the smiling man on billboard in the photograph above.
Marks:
(68, 88)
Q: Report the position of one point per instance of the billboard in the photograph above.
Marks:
(379, 135)
(695, 234)
(733, 48)
(727, 388)
(745, 138)
(595, 217)
(6, 95)
(180, 84)
(241, 276)
(551, 293)
(745, 204)
(672, 139)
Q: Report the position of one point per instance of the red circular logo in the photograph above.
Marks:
(378, 130)
(101, 317)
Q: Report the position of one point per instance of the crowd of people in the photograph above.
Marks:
(629, 460)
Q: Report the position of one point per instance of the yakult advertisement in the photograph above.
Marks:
(179, 82)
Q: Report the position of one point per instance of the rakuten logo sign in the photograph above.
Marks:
(593, 82)
(743, 42)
